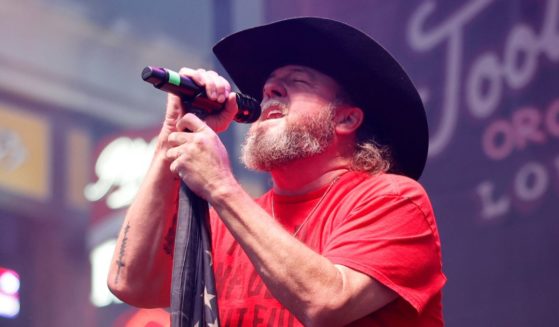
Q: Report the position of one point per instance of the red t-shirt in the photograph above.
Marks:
(381, 225)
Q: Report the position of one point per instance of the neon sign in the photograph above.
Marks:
(120, 169)
(9, 293)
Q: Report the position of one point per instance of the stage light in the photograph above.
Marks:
(9, 293)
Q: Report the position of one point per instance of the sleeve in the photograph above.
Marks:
(395, 241)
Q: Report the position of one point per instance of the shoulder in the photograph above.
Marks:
(362, 192)
(383, 185)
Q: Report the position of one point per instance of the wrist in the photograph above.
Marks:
(160, 166)
(224, 191)
(162, 144)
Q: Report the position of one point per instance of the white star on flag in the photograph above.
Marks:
(208, 297)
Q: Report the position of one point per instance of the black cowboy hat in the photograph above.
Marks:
(394, 114)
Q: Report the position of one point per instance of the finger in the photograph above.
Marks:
(175, 169)
(191, 122)
(223, 88)
(209, 78)
(231, 106)
(173, 154)
(177, 138)
(194, 75)
(221, 122)
(219, 85)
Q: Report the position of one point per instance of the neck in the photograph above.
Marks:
(305, 175)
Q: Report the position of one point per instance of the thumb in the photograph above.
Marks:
(174, 109)
(190, 122)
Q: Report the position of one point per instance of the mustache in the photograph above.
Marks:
(273, 103)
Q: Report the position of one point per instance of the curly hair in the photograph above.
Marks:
(369, 156)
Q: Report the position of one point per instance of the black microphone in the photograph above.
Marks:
(172, 82)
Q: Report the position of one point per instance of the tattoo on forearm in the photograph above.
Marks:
(120, 260)
(169, 241)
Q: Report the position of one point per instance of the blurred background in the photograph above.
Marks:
(77, 125)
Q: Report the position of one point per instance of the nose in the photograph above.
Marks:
(273, 89)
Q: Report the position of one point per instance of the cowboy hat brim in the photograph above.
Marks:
(394, 113)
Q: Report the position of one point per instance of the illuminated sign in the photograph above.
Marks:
(24, 153)
(79, 163)
(9, 293)
(100, 295)
(120, 169)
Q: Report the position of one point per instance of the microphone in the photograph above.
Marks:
(184, 87)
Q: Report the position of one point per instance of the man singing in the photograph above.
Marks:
(346, 235)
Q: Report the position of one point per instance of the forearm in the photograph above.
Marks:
(140, 271)
(308, 284)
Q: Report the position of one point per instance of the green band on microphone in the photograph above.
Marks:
(174, 78)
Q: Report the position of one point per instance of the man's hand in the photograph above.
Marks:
(141, 268)
(199, 157)
(217, 89)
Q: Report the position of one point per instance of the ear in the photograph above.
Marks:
(348, 119)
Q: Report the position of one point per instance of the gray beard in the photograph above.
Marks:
(263, 150)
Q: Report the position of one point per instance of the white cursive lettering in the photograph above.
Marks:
(488, 74)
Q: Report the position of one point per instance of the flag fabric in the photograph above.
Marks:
(193, 292)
